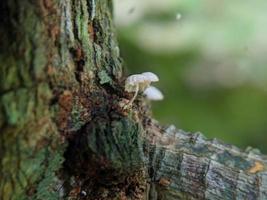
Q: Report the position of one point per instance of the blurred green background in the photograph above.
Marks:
(211, 57)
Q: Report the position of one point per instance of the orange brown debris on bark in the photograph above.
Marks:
(91, 31)
(258, 167)
(164, 182)
(65, 103)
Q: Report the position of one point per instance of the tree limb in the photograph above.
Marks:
(188, 166)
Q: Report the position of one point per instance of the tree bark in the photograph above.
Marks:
(65, 132)
(188, 166)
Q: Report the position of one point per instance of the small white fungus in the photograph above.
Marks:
(137, 82)
(133, 81)
(151, 76)
(153, 93)
(142, 81)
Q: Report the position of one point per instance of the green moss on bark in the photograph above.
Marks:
(61, 75)
(31, 151)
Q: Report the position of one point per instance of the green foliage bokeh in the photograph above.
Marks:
(212, 69)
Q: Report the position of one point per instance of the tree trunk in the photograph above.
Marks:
(65, 130)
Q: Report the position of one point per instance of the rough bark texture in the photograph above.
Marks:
(65, 133)
(188, 166)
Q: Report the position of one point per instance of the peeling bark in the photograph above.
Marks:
(65, 133)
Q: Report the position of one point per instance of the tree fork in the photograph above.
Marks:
(65, 133)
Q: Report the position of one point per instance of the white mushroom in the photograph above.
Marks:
(153, 93)
(133, 81)
(151, 76)
(137, 82)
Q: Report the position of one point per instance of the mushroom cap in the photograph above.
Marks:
(135, 79)
(153, 93)
(151, 76)
(142, 81)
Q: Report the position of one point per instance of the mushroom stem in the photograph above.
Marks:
(135, 95)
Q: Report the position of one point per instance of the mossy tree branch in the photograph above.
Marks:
(65, 133)
(188, 166)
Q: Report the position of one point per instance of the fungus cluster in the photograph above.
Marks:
(141, 82)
